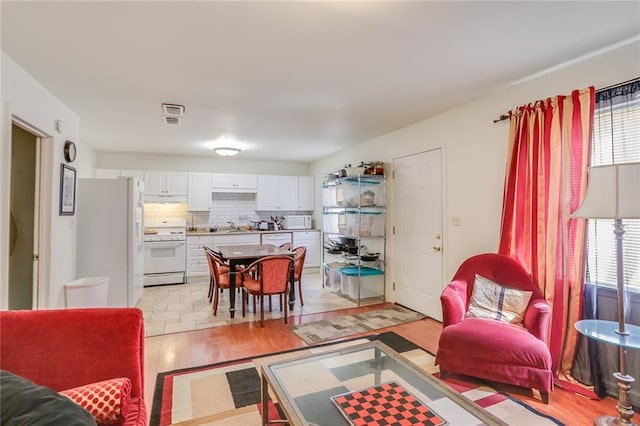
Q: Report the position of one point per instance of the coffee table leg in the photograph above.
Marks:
(264, 397)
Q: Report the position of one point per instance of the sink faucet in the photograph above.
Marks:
(231, 224)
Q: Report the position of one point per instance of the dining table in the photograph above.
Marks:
(245, 254)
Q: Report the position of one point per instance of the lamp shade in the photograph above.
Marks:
(613, 192)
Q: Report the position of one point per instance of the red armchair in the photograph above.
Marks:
(491, 349)
(66, 348)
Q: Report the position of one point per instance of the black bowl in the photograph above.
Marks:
(369, 257)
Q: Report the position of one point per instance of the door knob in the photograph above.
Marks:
(437, 248)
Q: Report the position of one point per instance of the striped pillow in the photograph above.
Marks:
(494, 301)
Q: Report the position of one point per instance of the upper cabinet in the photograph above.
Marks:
(284, 193)
(133, 173)
(114, 173)
(273, 193)
(165, 184)
(106, 173)
(224, 182)
(306, 194)
(199, 192)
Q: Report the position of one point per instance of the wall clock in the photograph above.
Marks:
(69, 151)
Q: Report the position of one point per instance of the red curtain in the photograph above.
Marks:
(545, 182)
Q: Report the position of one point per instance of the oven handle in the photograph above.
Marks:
(164, 244)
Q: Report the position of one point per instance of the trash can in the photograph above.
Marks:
(89, 292)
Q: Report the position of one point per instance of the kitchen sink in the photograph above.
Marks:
(233, 231)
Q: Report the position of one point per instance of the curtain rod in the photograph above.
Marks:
(501, 118)
(619, 84)
(613, 86)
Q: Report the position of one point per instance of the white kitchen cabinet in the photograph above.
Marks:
(165, 183)
(277, 193)
(197, 264)
(306, 197)
(235, 239)
(267, 198)
(199, 192)
(154, 183)
(224, 182)
(276, 238)
(176, 183)
(133, 173)
(310, 240)
(106, 173)
(115, 173)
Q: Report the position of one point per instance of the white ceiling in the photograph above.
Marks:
(289, 80)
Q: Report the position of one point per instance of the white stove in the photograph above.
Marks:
(165, 251)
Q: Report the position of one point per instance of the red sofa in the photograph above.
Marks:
(491, 349)
(66, 348)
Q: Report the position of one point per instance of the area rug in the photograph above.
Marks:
(348, 325)
(229, 393)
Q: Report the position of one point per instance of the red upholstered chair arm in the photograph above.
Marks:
(536, 319)
(454, 302)
(66, 348)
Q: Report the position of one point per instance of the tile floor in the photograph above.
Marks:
(177, 308)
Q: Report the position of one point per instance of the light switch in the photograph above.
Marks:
(456, 221)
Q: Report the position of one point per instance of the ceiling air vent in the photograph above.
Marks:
(173, 109)
(170, 119)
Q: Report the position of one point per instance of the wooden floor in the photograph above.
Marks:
(194, 348)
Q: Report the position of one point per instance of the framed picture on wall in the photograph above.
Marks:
(67, 190)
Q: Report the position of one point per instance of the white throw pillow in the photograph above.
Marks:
(494, 301)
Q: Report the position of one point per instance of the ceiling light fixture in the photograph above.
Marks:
(227, 151)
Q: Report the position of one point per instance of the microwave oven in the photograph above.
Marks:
(297, 222)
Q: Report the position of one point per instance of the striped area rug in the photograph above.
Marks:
(229, 393)
(348, 325)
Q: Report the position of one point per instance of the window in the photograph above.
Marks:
(616, 139)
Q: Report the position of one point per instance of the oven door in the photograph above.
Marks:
(164, 256)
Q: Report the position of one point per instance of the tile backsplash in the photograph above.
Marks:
(238, 208)
(164, 211)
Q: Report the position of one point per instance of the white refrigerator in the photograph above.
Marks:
(110, 236)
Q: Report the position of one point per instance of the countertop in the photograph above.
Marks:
(227, 232)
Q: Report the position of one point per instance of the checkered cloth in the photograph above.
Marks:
(386, 404)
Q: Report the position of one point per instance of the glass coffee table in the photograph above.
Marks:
(369, 382)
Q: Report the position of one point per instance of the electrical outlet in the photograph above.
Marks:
(456, 221)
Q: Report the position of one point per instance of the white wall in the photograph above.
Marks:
(109, 160)
(25, 99)
(474, 152)
(473, 162)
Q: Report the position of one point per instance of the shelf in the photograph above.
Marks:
(360, 179)
(354, 207)
(355, 192)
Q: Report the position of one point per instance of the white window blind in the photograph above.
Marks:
(616, 139)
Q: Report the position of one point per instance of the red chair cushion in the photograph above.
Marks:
(223, 281)
(486, 339)
(252, 285)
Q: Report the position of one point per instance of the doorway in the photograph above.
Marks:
(23, 232)
(418, 232)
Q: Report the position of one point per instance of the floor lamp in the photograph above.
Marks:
(613, 192)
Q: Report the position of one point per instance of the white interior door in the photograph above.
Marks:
(418, 232)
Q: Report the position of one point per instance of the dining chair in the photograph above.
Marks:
(273, 279)
(286, 246)
(223, 269)
(218, 276)
(298, 264)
